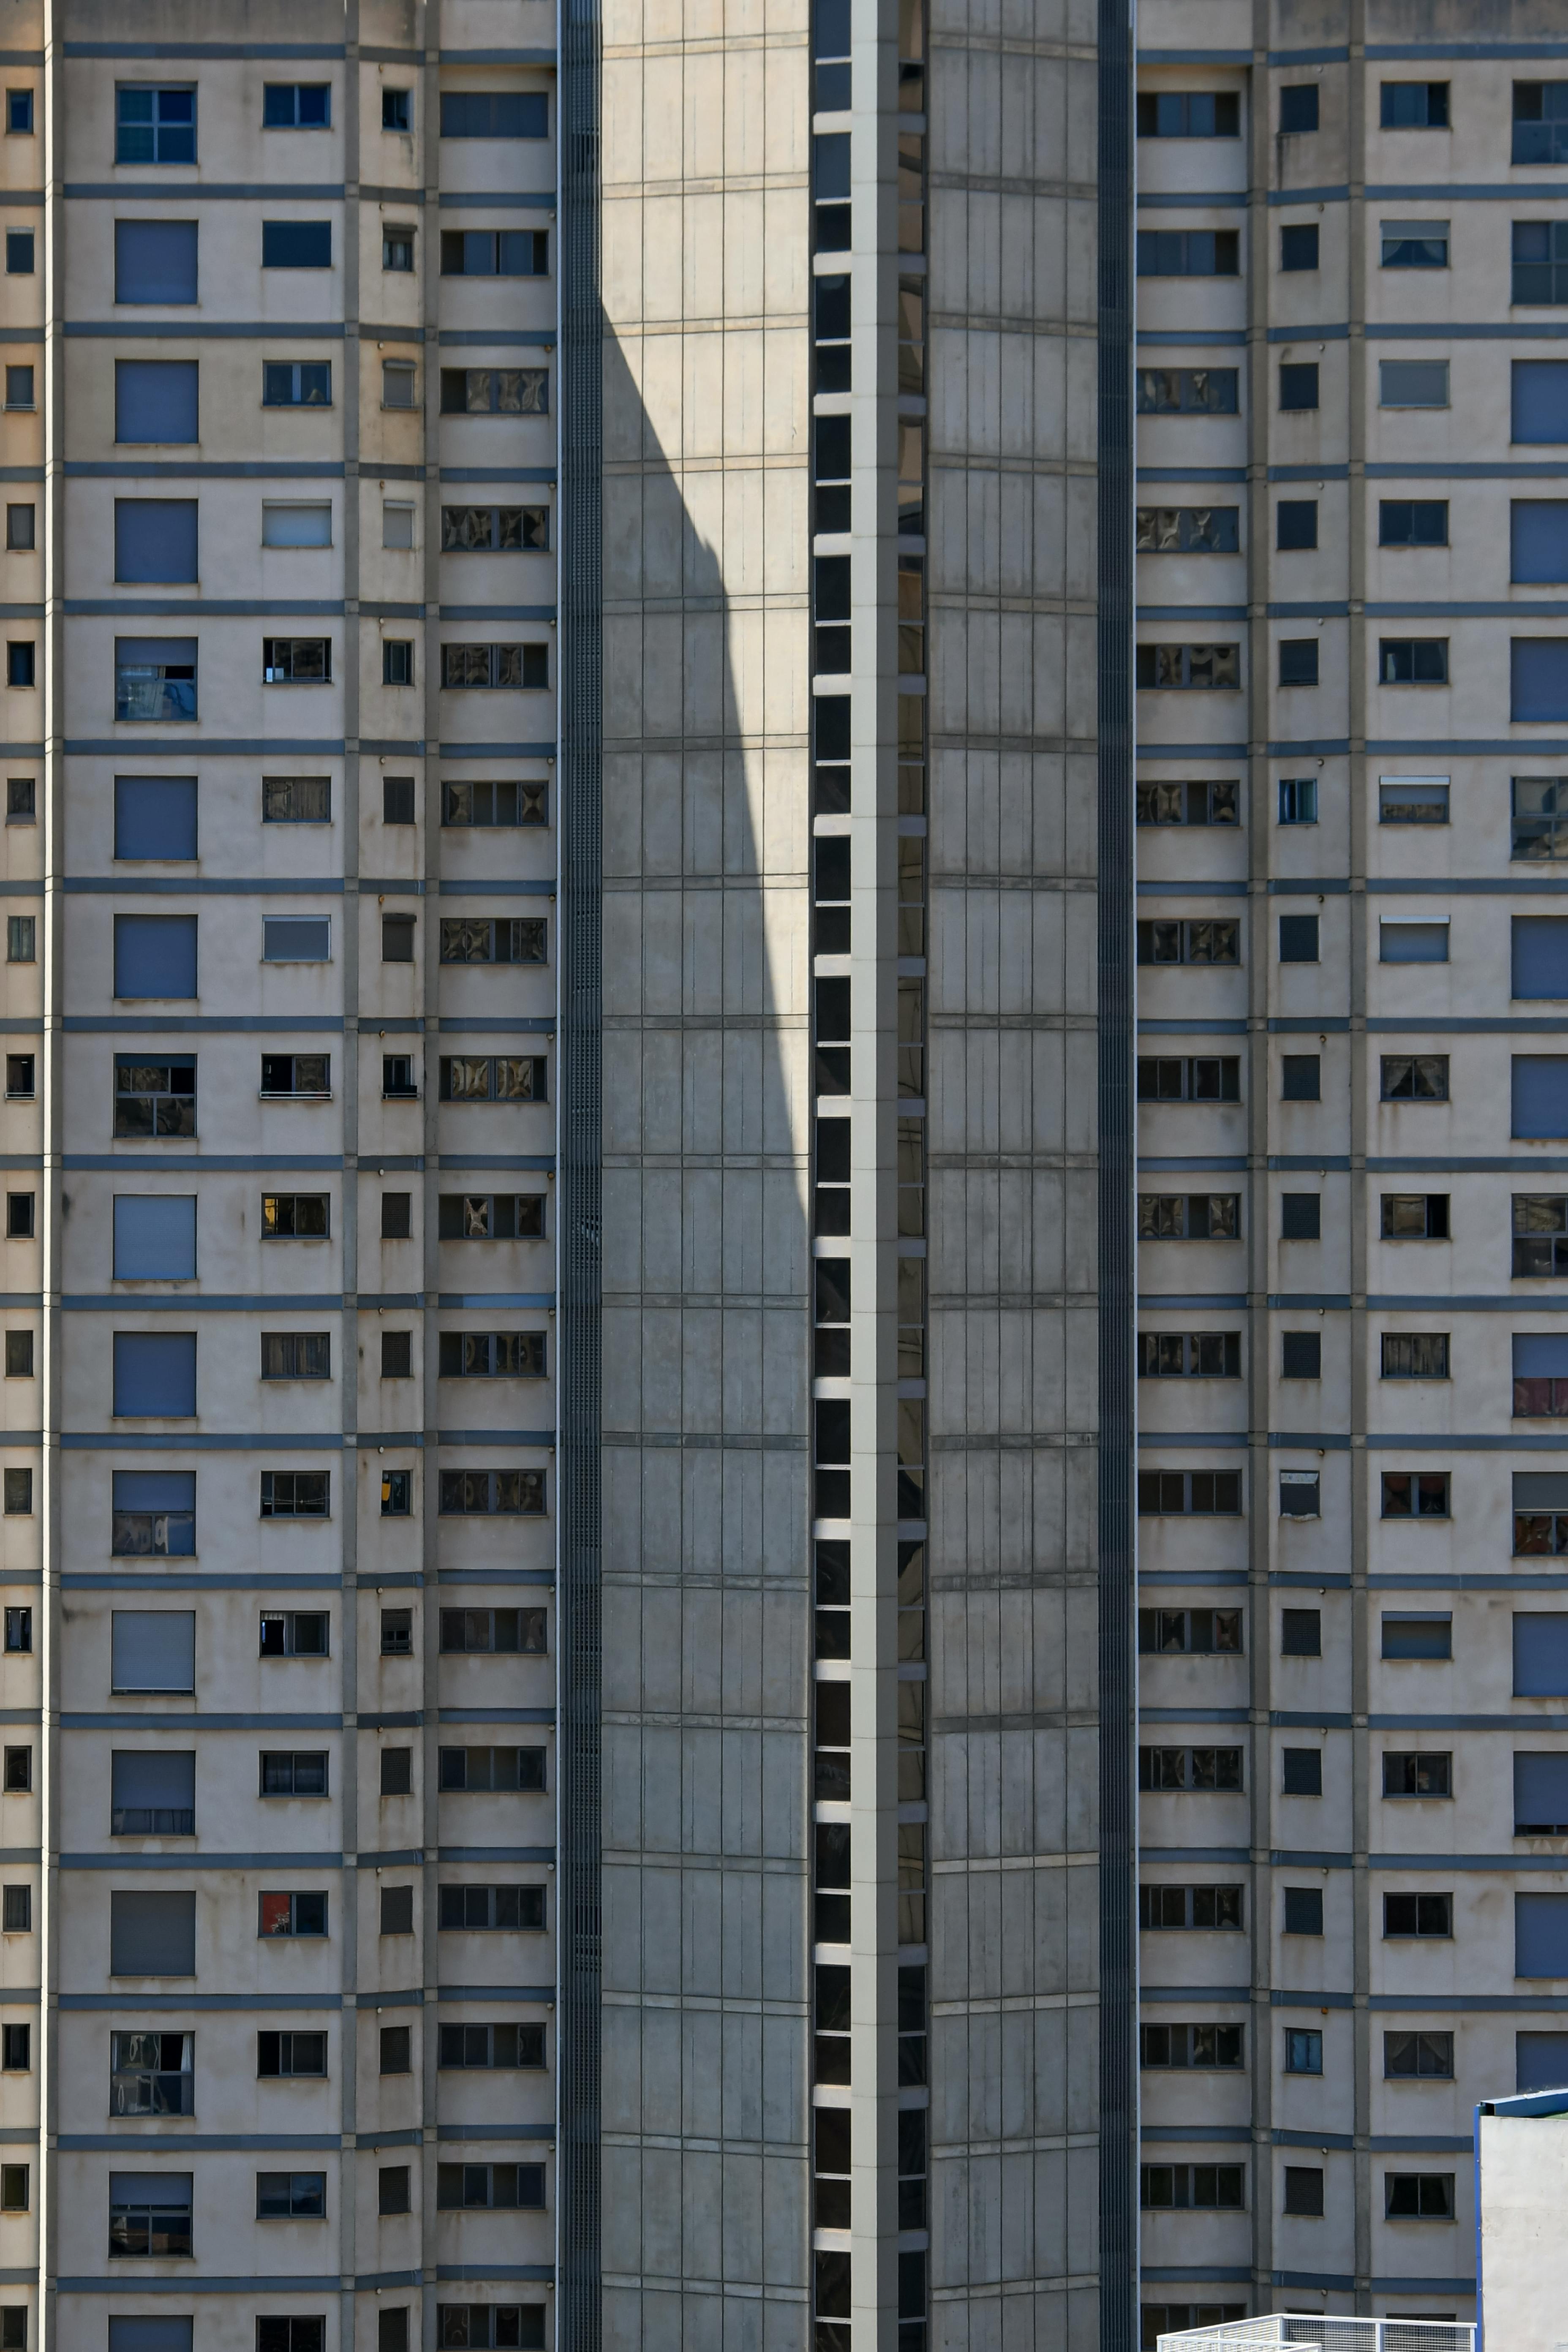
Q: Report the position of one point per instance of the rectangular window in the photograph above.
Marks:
(1161, 2046)
(520, 938)
(1295, 524)
(155, 262)
(1538, 676)
(1297, 384)
(1191, 2187)
(495, 253)
(494, 530)
(1413, 661)
(155, 1375)
(494, 1078)
(287, 1772)
(19, 387)
(21, 662)
(1301, 1217)
(156, 401)
(294, 1216)
(21, 800)
(492, 1355)
(296, 661)
(154, 126)
(1187, 530)
(1301, 1775)
(492, 1491)
(1298, 245)
(16, 1910)
(1404, 938)
(484, 1216)
(296, 939)
(1189, 115)
(152, 2074)
(1540, 1794)
(1188, 392)
(18, 125)
(1303, 2055)
(495, 114)
(486, 2327)
(485, 1907)
(1189, 1216)
(468, 1769)
(1299, 939)
(152, 1792)
(1189, 1355)
(296, 1355)
(155, 679)
(1415, 106)
(1194, 800)
(1413, 523)
(295, 525)
(1415, 245)
(1408, 1634)
(1417, 1914)
(495, 665)
(295, 1077)
(1426, 2056)
(149, 2215)
(397, 255)
(1188, 252)
(296, 106)
(500, 2188)
(1539, 1516)
(1205, 1768)
(1412, 800)
(21, 938)
(1304, 2189)
(1540, 262)
(154, 1515)
(19, 253)
(153, 1650)
(1301, 1632)
(290, 2196)
(1189, 1078)
(154, 540)
(1540, 401)
(296, 383)
(1196, 1633)
(296, 245)
(1540, 956)
(1418, 2196)
(1204, 1494)
(1414, 1077)
(296, 1493)
(156, 818)
(278, 2055)
(1302, 1356)
(1297, 800)
(296, 800)
(1409, 1774)
(487, 803)
(1414, 1355)
(495, 391)
(491, 2045)
(1416, 1494)
(1413, 383)
(1191, 668)
(1539, 1085)
(1189, 1907)
(1206, 941)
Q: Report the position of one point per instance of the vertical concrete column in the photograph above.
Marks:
(873, 998)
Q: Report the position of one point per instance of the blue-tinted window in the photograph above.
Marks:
(154, 1237)
(296, 106)
(296, 245)
(155, 539)
(155, 817)
(1539, 678)
(1538, 539)
(154, 126)
(495, 114)
(156, 261)
(156, 400)
(155, 955)
(155, 1375)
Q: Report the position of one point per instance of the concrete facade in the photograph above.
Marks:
(1370, 173)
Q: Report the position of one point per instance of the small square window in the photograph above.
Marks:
(1297, 384)
(1296, 523)
(1300, 1634)
(1304, 2189)
(19, 113)
(396, 1355)
(19, 253)
(1304, 1910)
(1300, 1494)
(1301, 1771)
(1298, 108)
(1298, 938)
(1301, 1217)
(1298, 245)
(1301, 1078)
(397, 110)
(1301, 1355)
(1303, 2049)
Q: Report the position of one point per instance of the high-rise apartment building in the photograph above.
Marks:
(1352, 949)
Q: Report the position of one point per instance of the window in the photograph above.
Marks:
(486, 1907)
(1540, 262)
(397, 531)
(491, 2045)
(1303, 1911)
(1189, 115)
(21, 663)
(296, 661)
(156, 680)
(289, 1772)
(1539, 123)
(152, 1792)
(495, 391)
(1187, 530)
(1302, 1773)
(397, 1077)
(484, 1217)
(295, 1633)
(1301, 1217)
(397, 1772)
(290, 2196)
(153, 1650)
(494, 1078)
(1190, 668)
(514, 1631)
(1540, 1794)
(19, 253)
(397, 2051)
(1298, 938)
(296, 1355)
(1418, 2196)
(397, 110)
(154, 126)
(397, 800)
(1540, 817)
(1414, 1077)
(1416, 1494)
(1188, 392)
(396, 254)
(155, 262)
(1300, 1634)
(1302, 1356)
(485, 940)
(296, 106)
(296, 383)
(397, 1910)
(149, 2215)
(293, 1216)
(21, 802)
(1413, 523)
(1297, 384)
(1413, 661)
(1181, 2187)
(1304, 2054)
(1187, 1216)
(1208, 1768)
(495, 253)
(495, 114)
(1414, 1355)
(1540, 400)
(1195, 1632)
(1428, 2055)
(1189, 1355)
(1415, 245)
(1540, 1088)
(1296, 523)
(392, 2186)
(152, 2074)
(154, 1515)
(1539, 1374)
(507, 1768)
(396, 1223)
(1408, 1774)
(473, 2327)
(1538, 679)
(281, 2055)
(492, 1491)
(1540, 944)
(1415, 106)
(1298, 108)
(16, 1910)
(295, 525)
(19, 125)
(491, 1355)
(1304, 2189)
(494, 530)
(296, 245)
(1207, 942)
(495, 665)
(1189, 2045)
(19, 387)
(156, 400)
(500, 2187)
(1410, 1633)
(397, 1355)
(1188, 252)
(1198, 800)
(1202, 1494)
(20, 1630)
(155, 1375)
(155, 817)
(21, 935)
(153, 1097)
(1414, 1216)
(1298, 245)
(400, 389)
(398, 938)
(296, 800)
(1417, 1914)
(18, 1762)
(398, 661)
(1300, 1077)
(1189, 1907)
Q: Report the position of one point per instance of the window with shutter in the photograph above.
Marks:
(1540, 1935)
(1540, 1094)
(154, 1237)
(155, 817)
(155, 1375)
(154, 1935)
(154, 540)
(155, 955)
(156, 261)
(154, 1650)
(156, 400)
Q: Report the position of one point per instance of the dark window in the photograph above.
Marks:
(1190, 668)
(1297, 107)
(392, 2189)
(285, 2333)
(1428, 2055)
(1407, 1635)
(1303, 2050)
(154, 1514)
(1187, 530)
(281, 2054)
(153, 1791)
(504, 803)
(152, 2074)
(154, 126)
(296, 105)
(1414, 1216)
(295, 1076)
(474, 1907)
(1415, 245)
(1418, 2196)
(296, 383)
(19, 124)
(1416, 1494)
(398, 661)
(290, 2196)
(296, 661)
(1301, 1217)
(483, 938)
(296, 245)
(1417, 1914)
(18, 1492)
(1183, 2186)
(397, 1633)
(155, 1375)
(1160, 2046)
(1406, 1773)
(396, 1493)
(397, 110)
(1414, 1355)
(1197, 1493)
(470, 1768)
(21, 802)
(1188, 392)
(1189, 115)
(500, 2188)
(18, 1629)
(484, 1216)
(1206, 941)
(1540, 400)
(491, 1355)
(16, 1910)
(491, 2045)
(397, 1355)
(397, 1910)
(1300, 1077)
(1193, 1633)
(495, 253)
(493, 1078)
(293, 1773)
(1297, 384)
(396, 2050)
(1188, 1216)
(1298, 245)
(21, 663)
(295, 1633)
(1197, 800)
(19, 253)
(1301, 1355)
(476, 2326)
(525, 666)
(1301, 1771)
(19, 387)
(151, 1934)
(1300, 1634)
(1206, 1768)
(1189, 1355)
(1540, 122)
(1413, 523)
(1300, 1494)
(494, 115)
(1304, 2189)
(1298, 938)
(495, 391)
(1414, 1077)
(396, 1216)
(1189, 1907)
(296, 1355)
(1415, 106)
(1296, 523)
(1413, 661)
(397, 1771)
(294, 1216)
(149, 2215)
(1188, 252)
(1541, 262)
